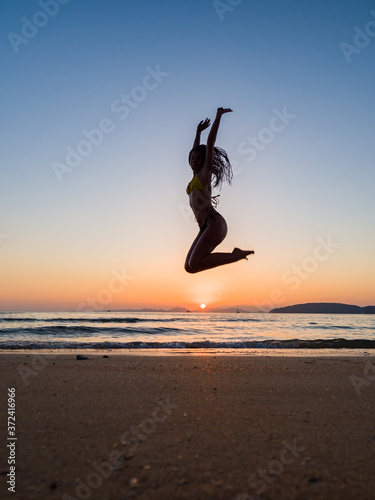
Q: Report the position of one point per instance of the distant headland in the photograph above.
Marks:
(325, 308)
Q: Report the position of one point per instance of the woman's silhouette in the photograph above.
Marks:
(209, 164)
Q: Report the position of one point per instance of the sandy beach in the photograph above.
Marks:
(189, 427)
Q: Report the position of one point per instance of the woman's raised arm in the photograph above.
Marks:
(200, 127)
(212, 135)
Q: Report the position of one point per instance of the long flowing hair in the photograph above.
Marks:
(221, 167)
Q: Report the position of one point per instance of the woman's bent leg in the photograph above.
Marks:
(187, 266)
(201, 256)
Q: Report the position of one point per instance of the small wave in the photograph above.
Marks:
(204, 344)
(244, 320)
(85, 331)
(316, 326)
(72, 320)
(335, 327)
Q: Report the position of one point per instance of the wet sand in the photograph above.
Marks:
(190, 427)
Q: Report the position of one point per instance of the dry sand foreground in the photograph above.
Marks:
(190, 427)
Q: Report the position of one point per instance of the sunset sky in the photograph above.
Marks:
(100, 101)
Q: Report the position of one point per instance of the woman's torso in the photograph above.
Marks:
(200, 199)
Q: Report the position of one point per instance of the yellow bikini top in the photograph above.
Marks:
(194, 185)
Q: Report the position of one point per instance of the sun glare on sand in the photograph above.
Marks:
(203, 306)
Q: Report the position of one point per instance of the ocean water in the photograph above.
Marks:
(180, 331)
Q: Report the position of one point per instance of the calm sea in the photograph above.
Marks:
(180, 331)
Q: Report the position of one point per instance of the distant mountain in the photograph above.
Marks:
(325, 308)
(227, 310)
(184, 309)
(145, 309)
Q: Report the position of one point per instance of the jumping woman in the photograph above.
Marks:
(210, 165)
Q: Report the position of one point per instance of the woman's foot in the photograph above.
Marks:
(241, 254)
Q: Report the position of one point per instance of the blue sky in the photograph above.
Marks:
(125, 203)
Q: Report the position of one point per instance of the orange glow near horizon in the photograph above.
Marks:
(91, 293)
(80, 284)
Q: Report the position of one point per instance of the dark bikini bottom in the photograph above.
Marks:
(203, 227)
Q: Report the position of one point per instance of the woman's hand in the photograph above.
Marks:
(203, 125)
(221, 111)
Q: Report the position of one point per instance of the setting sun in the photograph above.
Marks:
(203, 306)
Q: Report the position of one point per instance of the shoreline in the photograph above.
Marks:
(191, 426)
(259, 352)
